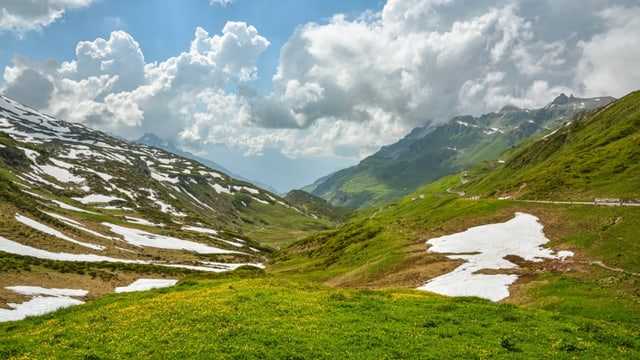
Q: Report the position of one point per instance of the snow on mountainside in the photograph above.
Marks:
(69, 193)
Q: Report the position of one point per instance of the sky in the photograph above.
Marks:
(286, 91)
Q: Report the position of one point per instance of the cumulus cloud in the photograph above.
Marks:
(22, 16)
(221, 2)
(610, 62)
(110, 86)
(347, 86)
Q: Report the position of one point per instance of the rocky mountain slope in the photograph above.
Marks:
(429, 153)
(76, 200)
(154, 141)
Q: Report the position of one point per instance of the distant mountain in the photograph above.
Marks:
(429, 153)
(155, 141)
(315, 205)
(595, 155)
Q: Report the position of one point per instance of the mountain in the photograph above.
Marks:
(586, 265)
(364, 289)
(75, 200)
(315, 205)
(429, 153)
(596, 155)
(153, 140)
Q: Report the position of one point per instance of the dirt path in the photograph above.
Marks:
(605, 266)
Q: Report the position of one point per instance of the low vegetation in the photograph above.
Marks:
(265, 317)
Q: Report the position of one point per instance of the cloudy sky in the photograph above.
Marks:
(286, 91)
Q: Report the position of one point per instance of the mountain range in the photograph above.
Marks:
(256, 275)
(155, 141)
(431, 152)
(72, 194)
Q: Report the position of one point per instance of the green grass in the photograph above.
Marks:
(274, 318)
(597, 156)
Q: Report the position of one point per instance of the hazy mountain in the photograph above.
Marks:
(315, 205)
(153, 140)
(429, 153)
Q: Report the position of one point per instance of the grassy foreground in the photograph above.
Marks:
(274, 318)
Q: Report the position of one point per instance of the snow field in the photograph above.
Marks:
(485, 247)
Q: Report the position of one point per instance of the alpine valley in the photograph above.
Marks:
(509, 235)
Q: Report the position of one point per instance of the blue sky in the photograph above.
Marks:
(287, 91)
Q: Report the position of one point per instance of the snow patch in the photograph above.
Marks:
(146, 284)
(485, 247)
(51, 231)
(42, 301)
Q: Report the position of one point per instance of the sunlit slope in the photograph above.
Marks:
(430, 153)
(80, 207)
(278, 319)
(385, 246)
(597, 156)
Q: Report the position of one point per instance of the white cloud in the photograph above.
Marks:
(348, 86)
(22, 16)
(221, 2)
(109, 85)
(610, 62)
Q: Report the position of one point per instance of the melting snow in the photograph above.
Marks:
(200, 230)
(42, 301)
(140, 221)
(142, 238)
(96, 198)
(13, 247)
(221, 189)
(485, 247)
(51, 231)
(146, 284)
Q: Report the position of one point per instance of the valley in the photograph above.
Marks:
(532, 252)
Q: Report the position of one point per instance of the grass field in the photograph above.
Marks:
(265, 317)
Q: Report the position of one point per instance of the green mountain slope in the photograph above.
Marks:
(80, 207)
(350, 292)
(316, 205)
(385, 246)
(595, 156)
(430, 153)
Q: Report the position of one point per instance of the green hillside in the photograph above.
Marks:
(430, 153)
(350, 292)
(595, 156)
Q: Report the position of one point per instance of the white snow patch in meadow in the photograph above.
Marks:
(200, 229)
(51, 231)
(79, 226)
(485, 247)
(66, 206)
(232, 243)
(146, 284)
(142, 238)
(61, 174)
(164, 178)
(96, 198)
(38, 179)
(247, 189)
(140, 221)
(260, 200)
(221, 189)
(13, 247)
(42, 301)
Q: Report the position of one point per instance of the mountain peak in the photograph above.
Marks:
(152, 139)
(561, 99)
